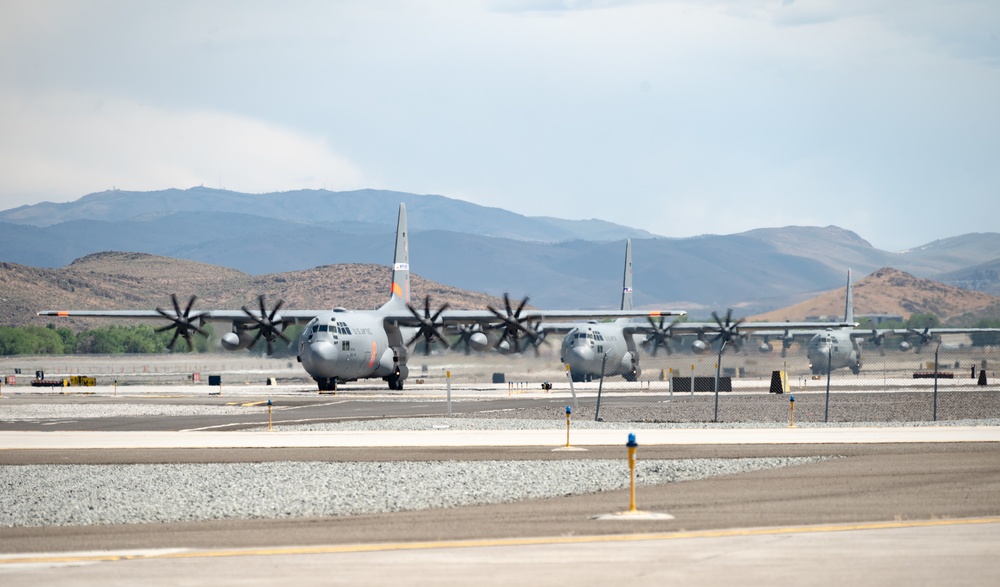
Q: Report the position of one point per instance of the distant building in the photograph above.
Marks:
(874, 318)
(879, 318)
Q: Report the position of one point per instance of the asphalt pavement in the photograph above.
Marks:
(891, 504)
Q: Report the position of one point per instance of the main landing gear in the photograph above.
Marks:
(326, 383)
(395, 382)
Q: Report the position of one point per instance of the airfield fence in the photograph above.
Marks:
(755, 387)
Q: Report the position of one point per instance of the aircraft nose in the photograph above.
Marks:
(322, 350)
(318, 357)
(583, 353)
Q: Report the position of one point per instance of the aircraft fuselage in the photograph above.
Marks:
(589, 345)
(834, 349)
(342, 345)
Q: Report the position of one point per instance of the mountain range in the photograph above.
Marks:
(559, 263)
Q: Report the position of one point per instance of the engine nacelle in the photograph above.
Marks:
(479, 342)
(905, 346)
(700, 347)
(629, 363)
(236, 340)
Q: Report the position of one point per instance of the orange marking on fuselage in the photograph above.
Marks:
(654, 313)
(396, 290)
(374, 350)
(62, 313)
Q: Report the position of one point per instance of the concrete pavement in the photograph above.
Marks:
(60, 440)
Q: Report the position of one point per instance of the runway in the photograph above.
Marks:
(897, 503)
(61, 440)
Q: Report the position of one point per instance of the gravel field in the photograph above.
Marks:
(756, 409)
(57, 495)
(61, 495)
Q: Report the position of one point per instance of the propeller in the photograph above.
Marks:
(660, 336)
(182, 323)
(877, 338)
(728, 332)
(512, 323)
(786, 343)
(465, 334)
(925, 337)
(267, 328)
(535, 338)
(428, 325)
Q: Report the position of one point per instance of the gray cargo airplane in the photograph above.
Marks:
(594, 348)
(341, 345)
(836, 348)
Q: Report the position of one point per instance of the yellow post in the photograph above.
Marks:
(791, 402)
(269, 414)
(632, 445)
(567, 426)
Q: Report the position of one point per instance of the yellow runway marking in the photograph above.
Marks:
(488, 542)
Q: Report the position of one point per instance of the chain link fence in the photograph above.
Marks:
(753, 387)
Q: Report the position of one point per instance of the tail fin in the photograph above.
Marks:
(849, 306)
(627, 278)
(400, 295)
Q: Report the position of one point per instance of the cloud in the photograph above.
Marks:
(681, 117)
(61, 145)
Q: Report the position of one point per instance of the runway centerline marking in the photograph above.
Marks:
(69, 558)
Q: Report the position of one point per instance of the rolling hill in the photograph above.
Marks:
(561, 264)
(890, 291)
(140, 281)
(135, 281)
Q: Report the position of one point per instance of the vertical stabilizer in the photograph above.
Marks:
(400, 264)
(627, 278)
(849, 306)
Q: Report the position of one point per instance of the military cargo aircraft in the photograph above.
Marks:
(836, 348)
(341, 345)
(592, 348)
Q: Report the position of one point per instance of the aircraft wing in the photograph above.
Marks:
(936, 331)
(754, 328)
(287, 316)
(487, 317)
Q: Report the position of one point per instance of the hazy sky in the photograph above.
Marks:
(679, 117)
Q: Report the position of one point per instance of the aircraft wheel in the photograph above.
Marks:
(326, 384)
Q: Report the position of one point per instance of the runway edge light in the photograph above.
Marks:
(632, 445)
